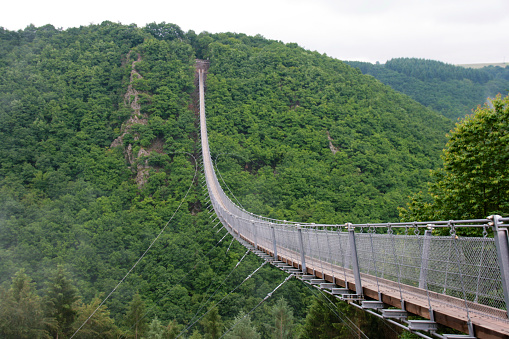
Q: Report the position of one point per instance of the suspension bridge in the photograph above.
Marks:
(458, 282)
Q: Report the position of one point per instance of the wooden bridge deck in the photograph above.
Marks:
(449, 311)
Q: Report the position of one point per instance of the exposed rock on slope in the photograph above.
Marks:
(131, 99)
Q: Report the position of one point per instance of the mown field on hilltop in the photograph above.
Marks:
(99, 137)
(482, 65)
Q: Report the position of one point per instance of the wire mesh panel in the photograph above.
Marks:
(408, 250)
(466, 268)
(283, 241)
(333, 248)
(267, 235)
(420, 265)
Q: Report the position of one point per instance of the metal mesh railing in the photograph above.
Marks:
(462, 267)
(469, 269)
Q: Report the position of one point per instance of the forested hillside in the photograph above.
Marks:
(304, 137)
(99, 141)
(451, 90)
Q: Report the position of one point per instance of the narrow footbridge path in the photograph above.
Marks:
(459, 282)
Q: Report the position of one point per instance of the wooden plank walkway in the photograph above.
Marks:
(449, 311)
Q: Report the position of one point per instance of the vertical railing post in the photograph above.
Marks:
(423, 276)
(274, 242)
(502, 245)
(355, 260)
(302, 254)
(255, 243)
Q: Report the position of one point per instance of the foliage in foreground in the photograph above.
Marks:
(474, 180)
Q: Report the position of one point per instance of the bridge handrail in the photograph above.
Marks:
(473, 270)
(476, 223)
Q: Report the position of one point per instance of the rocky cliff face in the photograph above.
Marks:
(131, 99)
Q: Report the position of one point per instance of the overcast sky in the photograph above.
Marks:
(452, 31)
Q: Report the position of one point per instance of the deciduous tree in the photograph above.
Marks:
(474, 180)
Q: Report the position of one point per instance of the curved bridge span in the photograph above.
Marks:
(461, 283)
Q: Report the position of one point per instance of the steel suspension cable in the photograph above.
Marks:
(231, 242)
(146, 251)
(336, 312)
(220, 301)
(254, 308)
(222, 283)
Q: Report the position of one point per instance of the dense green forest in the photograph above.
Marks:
(99, 141)
(451, 90)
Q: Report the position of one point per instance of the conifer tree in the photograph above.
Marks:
(100, 325)
(283, 319)
(155, 329)
(321, 322)
(135, 319)
(172, 330)
(212, 324)
(196, 335)
(244, 328)
(21, 311)
(61, 304)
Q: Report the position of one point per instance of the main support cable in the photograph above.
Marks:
(146, 251)
(224, 280)
(224, 182)
(261, 302)
(336, 311)
(228, 250)
(220, 301)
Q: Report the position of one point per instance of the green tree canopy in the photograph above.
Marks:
(21, 310)
(448, 89)
(100, 325)
(61, 303)
(135, 317)
(244, 328)
(283, 320)
(212, 324)
(155, 330)
(474, 180)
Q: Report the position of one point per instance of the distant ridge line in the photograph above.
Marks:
(481, 65)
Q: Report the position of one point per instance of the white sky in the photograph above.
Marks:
(452, 31)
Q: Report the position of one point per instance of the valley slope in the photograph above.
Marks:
(99, 132)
